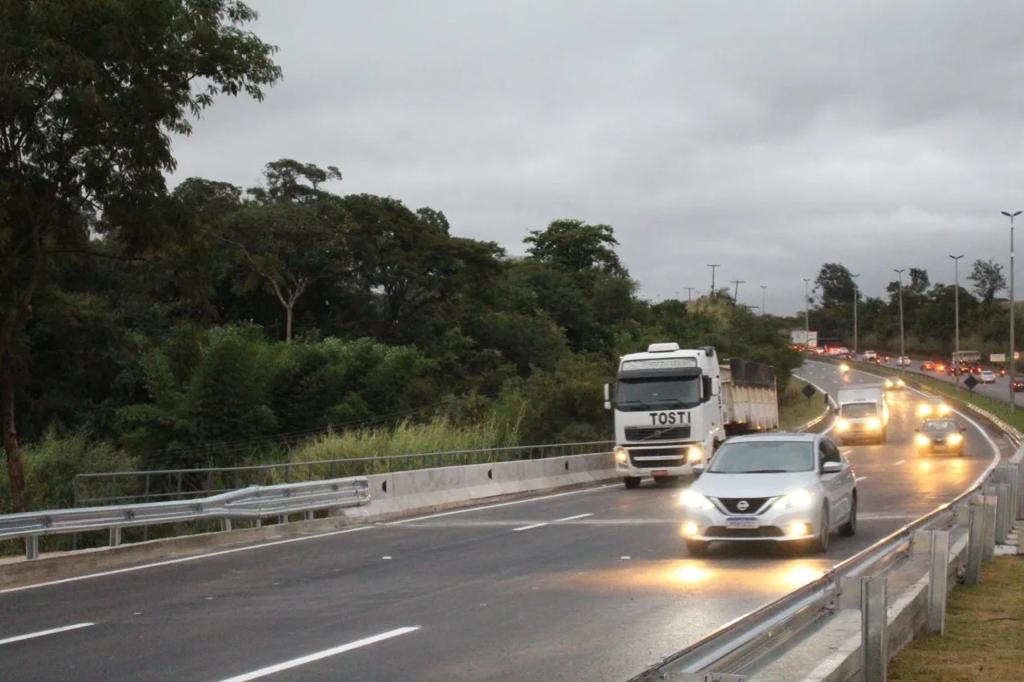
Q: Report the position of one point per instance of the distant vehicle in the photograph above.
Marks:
(894, 384)
(1018, 384)
(940, 368)
(844, 368)
(987, 376)
(927, 366)
(934, 407)
(939, 435)
(870, 355)
(804, 338)
(781, 487)
(672, 407)
(903, 361)
(863, 414)
(966, 357)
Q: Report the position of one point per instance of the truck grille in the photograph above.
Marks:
(666, 457)
(754, 504)
(657, 432)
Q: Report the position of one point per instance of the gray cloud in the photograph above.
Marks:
(769, 137)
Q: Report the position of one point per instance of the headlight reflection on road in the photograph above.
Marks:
(716, 575)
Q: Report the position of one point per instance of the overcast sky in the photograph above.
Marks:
(769, 137)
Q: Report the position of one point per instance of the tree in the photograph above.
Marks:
(577, 246)
(836, 285)
(987, 276)
(89, 93)
(291, 181)
(918, 281)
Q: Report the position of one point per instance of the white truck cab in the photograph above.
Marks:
(674, 406)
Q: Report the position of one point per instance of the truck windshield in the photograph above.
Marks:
(764, 457)
(858, 410)
(668, 393)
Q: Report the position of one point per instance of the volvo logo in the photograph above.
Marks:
(742, 505)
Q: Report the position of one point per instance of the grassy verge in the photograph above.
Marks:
(984, 637)
(795, 409)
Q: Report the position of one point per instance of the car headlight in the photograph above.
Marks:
(844, 368)
(921, 440)
(621, 455)
(797, 499)
(924, 410)
(691, 499)
(888, 383)
(944, 409)
(900, 383)
(954, 439)
(874, 424)
(843, 425)
(694, 454)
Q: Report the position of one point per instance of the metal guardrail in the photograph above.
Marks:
(123, 487)
(751, 636)
(253, 503)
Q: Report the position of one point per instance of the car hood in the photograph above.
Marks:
(751, 485)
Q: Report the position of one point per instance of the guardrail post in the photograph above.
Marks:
(307, 516)
(225, 524)
(989, 533)
(115, 536)
(31, 546)
(938, 582)
(873, 608)
(975, 543)
(1002, 512)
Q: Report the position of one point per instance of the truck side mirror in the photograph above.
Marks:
(607, 397)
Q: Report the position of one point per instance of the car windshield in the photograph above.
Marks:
(857, 410)
(668, 393)
(763, 457)
(939, 425)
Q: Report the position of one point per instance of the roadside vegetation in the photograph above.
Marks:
(796, 409)
(984, 637)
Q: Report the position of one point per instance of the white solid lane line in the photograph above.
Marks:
(530, 527)
(571, 518)
(496, 505)
(861, 478)
(44, 633)
(295, 662)
(899, 462)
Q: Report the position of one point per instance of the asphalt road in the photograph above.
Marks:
(998, 390)
(592, 584)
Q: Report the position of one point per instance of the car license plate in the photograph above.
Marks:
(740, 522)
(658, 473)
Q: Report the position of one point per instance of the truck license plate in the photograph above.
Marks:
(740, 522)
(658, 473)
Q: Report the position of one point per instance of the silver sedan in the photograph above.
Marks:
(782, 487)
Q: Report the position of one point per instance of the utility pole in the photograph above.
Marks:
(713, 267)
(1011, 361)
(956, 315)
(764, 310)
(902, 349)
(807, 318)
(689, 294)
(736, 295)
(856, 295)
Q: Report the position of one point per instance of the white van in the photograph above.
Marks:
(863, 414)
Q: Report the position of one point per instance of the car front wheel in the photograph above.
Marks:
(849, 529)
(820, 543)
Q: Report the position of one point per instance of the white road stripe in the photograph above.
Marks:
(570, 518)
(899, 462)
(861, 478)
(499, 504)
(326, 653)
(44, 633)
(530, 527)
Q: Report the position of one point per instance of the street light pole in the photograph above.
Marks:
(1010, 361)
(689, 294)
(902, 348)
(764, 288)
(956, 315)
(807, 323)
(855, 297)
(713, 267)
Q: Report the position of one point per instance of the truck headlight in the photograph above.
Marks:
(694, 454)
(843, 425)
(874, 424)
(691, 499)
(921, 440)
(797, 499)
(621, 455)
(954, 439)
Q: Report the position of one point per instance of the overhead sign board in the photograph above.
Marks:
(998, 357)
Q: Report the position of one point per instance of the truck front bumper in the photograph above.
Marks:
(658, 461)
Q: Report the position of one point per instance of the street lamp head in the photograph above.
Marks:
(956, 257)
(1010, 215)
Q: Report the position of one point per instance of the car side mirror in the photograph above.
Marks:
(831, 467)
(963, 429)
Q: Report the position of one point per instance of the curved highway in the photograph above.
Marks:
(592, 584)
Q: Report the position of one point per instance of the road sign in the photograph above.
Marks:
(970, 382)
(997, 357)
(809, 391)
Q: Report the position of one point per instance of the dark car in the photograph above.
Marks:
(940, 435)
(1018, 384)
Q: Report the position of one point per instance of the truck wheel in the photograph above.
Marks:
(697, 548)
(631, 482)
